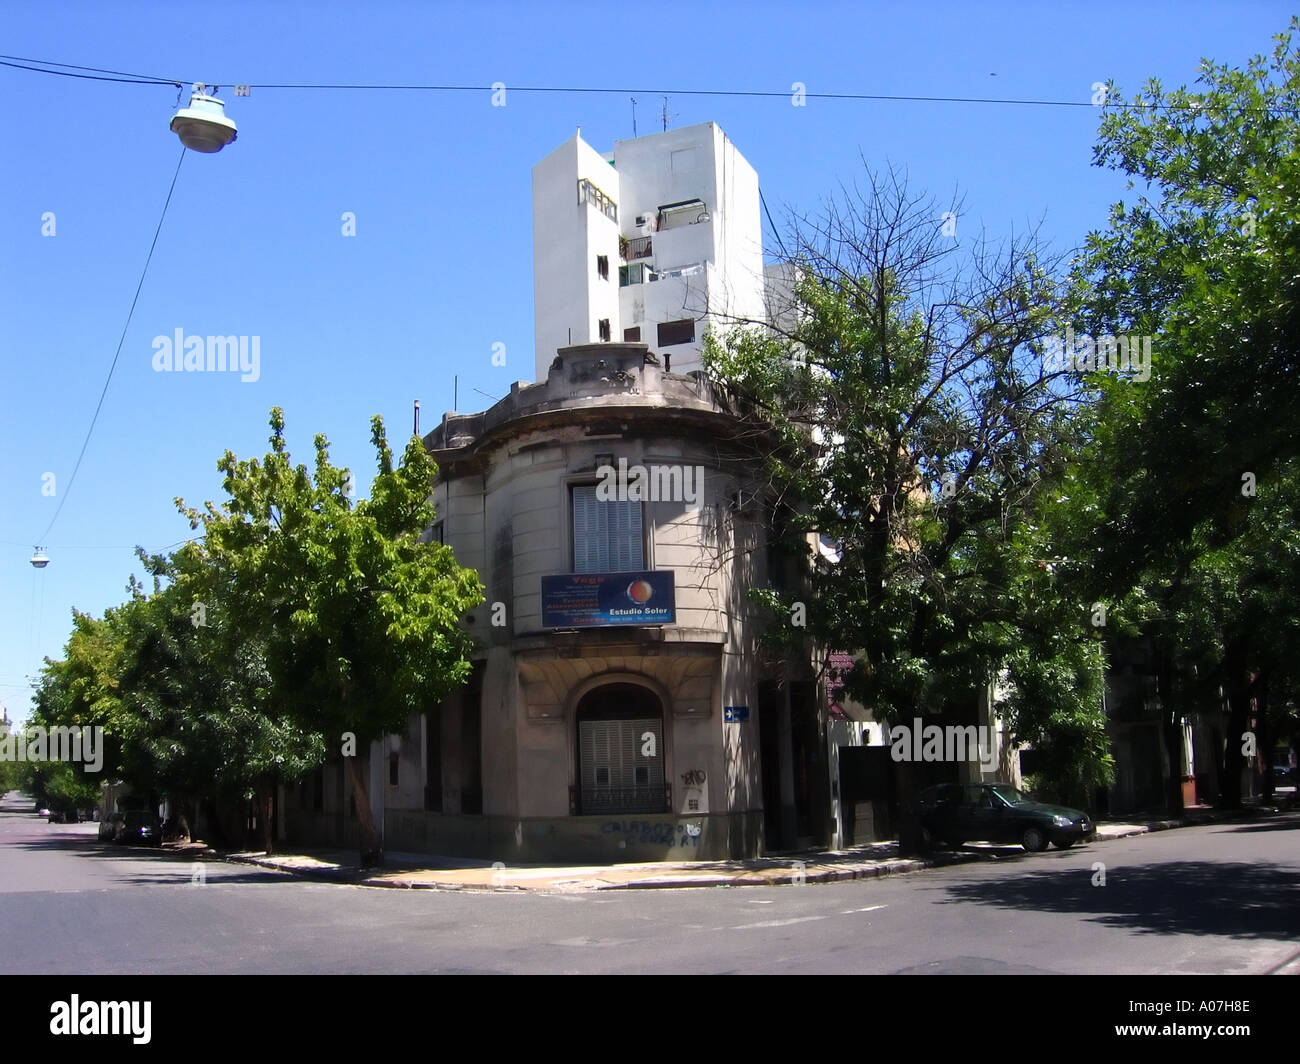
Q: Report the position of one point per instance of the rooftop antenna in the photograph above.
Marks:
(665, 115)
(633, 99)
(417, 417)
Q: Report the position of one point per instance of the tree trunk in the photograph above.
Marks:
(369, 836)
(266, 802)
(1238, 690)
(1265, 734)
(1171, 720)
(911, 839)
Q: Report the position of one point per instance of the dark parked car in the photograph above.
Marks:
(135, 825)
(955, 813)
(63, 816)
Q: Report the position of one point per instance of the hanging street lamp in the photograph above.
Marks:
(203, 125)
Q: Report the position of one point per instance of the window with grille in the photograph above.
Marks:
(607, 535)
(616, 778)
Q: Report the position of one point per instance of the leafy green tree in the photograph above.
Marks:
(10, 778)
(200, 722)
(81, 691)
(356, 615)
(63, 787)
(1206, 262)
(917, 426)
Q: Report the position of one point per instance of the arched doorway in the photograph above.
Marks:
(620, 751)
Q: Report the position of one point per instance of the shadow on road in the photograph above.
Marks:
(1179, 897)
(179, 865)
(1289, 823)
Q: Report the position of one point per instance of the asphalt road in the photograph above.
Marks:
(1214, 899)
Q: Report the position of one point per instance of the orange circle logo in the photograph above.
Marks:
(640, 591)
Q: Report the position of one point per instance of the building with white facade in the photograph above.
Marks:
(652, 243)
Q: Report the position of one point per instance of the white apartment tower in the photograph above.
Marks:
(653, 243)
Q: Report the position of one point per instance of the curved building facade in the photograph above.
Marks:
(611, 512)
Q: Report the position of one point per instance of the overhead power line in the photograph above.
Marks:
(133, 79)
(118, 353)
(44, 66)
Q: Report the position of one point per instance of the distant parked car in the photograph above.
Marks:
(43, 812)
(63, 816)
(1283, 775)
(955, 813)
(135, 825)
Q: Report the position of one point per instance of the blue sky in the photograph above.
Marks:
(440, 268)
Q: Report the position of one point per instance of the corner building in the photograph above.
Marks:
(613, 713)
(621, 707)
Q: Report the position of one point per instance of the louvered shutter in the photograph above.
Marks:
(607, 536)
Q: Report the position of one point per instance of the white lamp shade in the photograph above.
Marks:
(203, 125)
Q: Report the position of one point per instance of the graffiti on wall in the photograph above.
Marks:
(653, 833)
(694, 796)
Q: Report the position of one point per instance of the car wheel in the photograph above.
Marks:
(1063, 844)
(1033, 839)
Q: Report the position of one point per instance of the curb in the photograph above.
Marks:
(753, 878)
(901, 866)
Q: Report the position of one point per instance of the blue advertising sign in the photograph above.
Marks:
(591, 600)
(735, 714)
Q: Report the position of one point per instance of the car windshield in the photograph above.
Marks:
(1010, 795)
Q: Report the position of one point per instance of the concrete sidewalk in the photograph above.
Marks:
(430, 872)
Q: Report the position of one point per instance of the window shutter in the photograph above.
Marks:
(607, 536)
(614, 776)
(585, 539)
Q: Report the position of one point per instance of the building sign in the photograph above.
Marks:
(735, 714)
(593, 600)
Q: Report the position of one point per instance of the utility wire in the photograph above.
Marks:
(144, 79)
(130, 80)
(96, 70)
(776, 232)
(117, 354)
